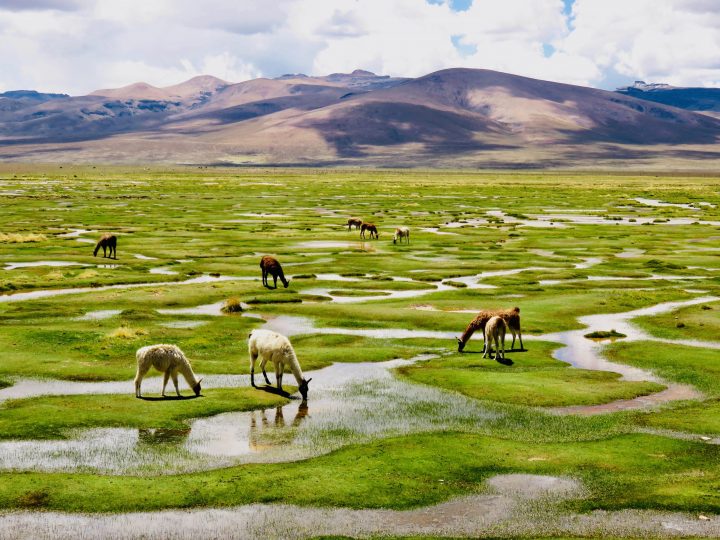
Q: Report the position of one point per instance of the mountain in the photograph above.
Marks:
(450, 118)
(704, 100)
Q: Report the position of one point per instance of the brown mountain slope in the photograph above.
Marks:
(455, 117)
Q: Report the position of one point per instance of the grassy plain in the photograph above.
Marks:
(516, 230)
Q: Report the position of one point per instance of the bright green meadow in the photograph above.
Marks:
(579, 244)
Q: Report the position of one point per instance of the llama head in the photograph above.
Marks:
(303, 388)
(286, 282)
(461, 344)
(197, 388)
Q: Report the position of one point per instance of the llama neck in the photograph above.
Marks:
(469, 331)
(294, 366)
(97, 247)
(187, 372)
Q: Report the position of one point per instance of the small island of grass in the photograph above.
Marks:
(605, 334)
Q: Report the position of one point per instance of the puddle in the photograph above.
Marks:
(75, 233)
(471, 282)
(621, 220)
(436, 230)
(349, 403)
(183, 324)
(33, 295)
(586, 354)
(652, 277)
(164, 271)
(533, 221)
(99, 315)
(144, 257)
(332, 244)
(659, 204)
(13, 266)
(290, 325)
(630, 253)
(212, 310)
(510, 513)
(588, 262)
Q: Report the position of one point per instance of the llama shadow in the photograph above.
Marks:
(274, 390)
(505, 361)
(168, 398)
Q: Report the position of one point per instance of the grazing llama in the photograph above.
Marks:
(368, 227)
(170, 360)
(270, 265)
(510, 316)
(276, 348)
(495, 331)
(107, 241)
(354, 222)
(400, 233)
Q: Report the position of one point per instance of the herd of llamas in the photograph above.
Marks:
(272, 347)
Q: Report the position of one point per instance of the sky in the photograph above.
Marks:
(77, 46)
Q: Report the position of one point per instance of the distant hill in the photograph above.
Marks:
(450, 118)
(705, 100)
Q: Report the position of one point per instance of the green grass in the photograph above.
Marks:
(195, 222)
(695, 322)
(632, 471)
(691, 365)
(535, 379)
(51, 417)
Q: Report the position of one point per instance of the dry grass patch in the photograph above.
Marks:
(17, 238)
(126, 332)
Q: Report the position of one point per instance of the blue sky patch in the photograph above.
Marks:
(464, 49)
(455, 5)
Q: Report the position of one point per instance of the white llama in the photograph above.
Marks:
(400, 233)
(495, 331)
(170, 360)
(276, 348)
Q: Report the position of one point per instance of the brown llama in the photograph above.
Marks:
(107, 241)
(369, 227)
(270, 265)
(354, 222)
(510, 316)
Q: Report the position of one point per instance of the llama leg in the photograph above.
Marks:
(264, 278)
(166, 376)
(274, 281)
(253, 359)
(279, 374)
(520, 336)
(486, 344)
(138, 380)
(174, 376)
(512, 331)
(262, 366)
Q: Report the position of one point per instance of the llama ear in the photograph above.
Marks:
(200, 380)
(310, 379)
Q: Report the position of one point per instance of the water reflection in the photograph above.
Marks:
(155, 436)
(268, 433)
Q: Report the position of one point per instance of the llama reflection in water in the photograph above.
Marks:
(266, 434)
(163, 436)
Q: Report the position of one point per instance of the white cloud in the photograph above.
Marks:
(80, 45)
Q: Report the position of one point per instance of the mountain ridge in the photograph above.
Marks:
(452, 117)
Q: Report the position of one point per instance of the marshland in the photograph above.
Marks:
(609, 436)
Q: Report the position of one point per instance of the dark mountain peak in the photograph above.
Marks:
(31, 95)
